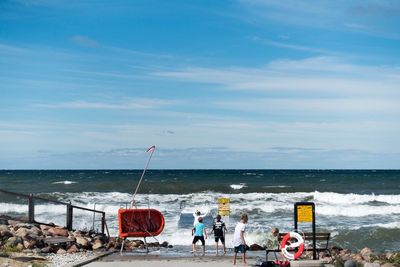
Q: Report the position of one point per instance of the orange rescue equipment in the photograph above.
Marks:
(140, 222)
(292, 245)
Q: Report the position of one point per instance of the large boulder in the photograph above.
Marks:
(57, 231)
(46, 250)
(44, 227)
(22, 232)
(97, 244)
(61, 251)
(22, 225)
(5, 233)
(35, 231)
(82, 241)
(366, 253)
(4, 228)
(29, 244)
(73, 249)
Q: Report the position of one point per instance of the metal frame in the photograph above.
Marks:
(70, 209)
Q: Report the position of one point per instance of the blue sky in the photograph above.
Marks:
(213, 84)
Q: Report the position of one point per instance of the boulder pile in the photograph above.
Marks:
(19, 236)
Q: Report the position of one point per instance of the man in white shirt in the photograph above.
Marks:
(239, 242)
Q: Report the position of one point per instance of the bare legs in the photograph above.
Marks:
(203, 248)
(243, 258)
(223, 248)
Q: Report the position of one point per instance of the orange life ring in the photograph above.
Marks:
(299, 244)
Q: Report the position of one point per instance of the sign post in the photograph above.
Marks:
(304, 212)
(224, 206)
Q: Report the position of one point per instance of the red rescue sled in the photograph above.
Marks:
(140, 222)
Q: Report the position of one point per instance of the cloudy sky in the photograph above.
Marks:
(213, 84)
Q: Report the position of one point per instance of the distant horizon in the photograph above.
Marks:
(150, 169)
(213, 84)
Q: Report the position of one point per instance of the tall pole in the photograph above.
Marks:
(152, 148)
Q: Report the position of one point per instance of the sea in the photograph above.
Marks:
(360, 208)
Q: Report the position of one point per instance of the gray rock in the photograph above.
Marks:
(82, 241)
(22, 232)
(44, 227)
(372, 264)
(46, 250)
(72, 249)
(97, 244)
(4, 228)
(12, 222)
(349, 263)
(56, 231)
(61, 251)
(4, 235)
(24, 225)
(366, 253)
(36, 250)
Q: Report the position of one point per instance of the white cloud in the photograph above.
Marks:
(132, 104)
(322, 76)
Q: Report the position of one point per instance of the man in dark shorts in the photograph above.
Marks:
(199, 232)
(219, 230)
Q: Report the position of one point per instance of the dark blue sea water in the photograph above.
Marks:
(359, 207)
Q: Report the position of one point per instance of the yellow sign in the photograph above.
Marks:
(304, 213)
(224, 206)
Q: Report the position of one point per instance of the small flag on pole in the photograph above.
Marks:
(151, 148)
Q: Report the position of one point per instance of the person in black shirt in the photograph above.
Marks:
(219, 230)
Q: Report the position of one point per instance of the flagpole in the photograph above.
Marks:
(152, 148)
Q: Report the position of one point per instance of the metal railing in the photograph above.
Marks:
(69, 209)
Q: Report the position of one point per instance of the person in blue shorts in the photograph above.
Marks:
(199, 232)
(219, 230)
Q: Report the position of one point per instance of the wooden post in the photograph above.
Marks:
(69, 216)
(31, 209)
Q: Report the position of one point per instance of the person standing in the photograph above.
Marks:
(199, 232)
(239, 242)
(196, 216)
(219, 230)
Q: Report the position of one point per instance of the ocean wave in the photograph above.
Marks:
(337, 198)
(65, 182)
(264, 209)
(276, 186)
(238, 186)
(356, 210)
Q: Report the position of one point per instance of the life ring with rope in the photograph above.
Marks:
(299, 244)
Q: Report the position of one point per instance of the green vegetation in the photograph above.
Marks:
(10, 249)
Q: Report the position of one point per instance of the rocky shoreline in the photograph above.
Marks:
(46, 245)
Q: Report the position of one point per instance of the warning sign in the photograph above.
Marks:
(224, 208)
(304, 213)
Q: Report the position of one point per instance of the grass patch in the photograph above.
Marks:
(10, 249)
(39, 265)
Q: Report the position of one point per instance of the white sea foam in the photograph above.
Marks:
(238, 186)
(333, 210)
(337, 198)
(65, 182)
(276, 186)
